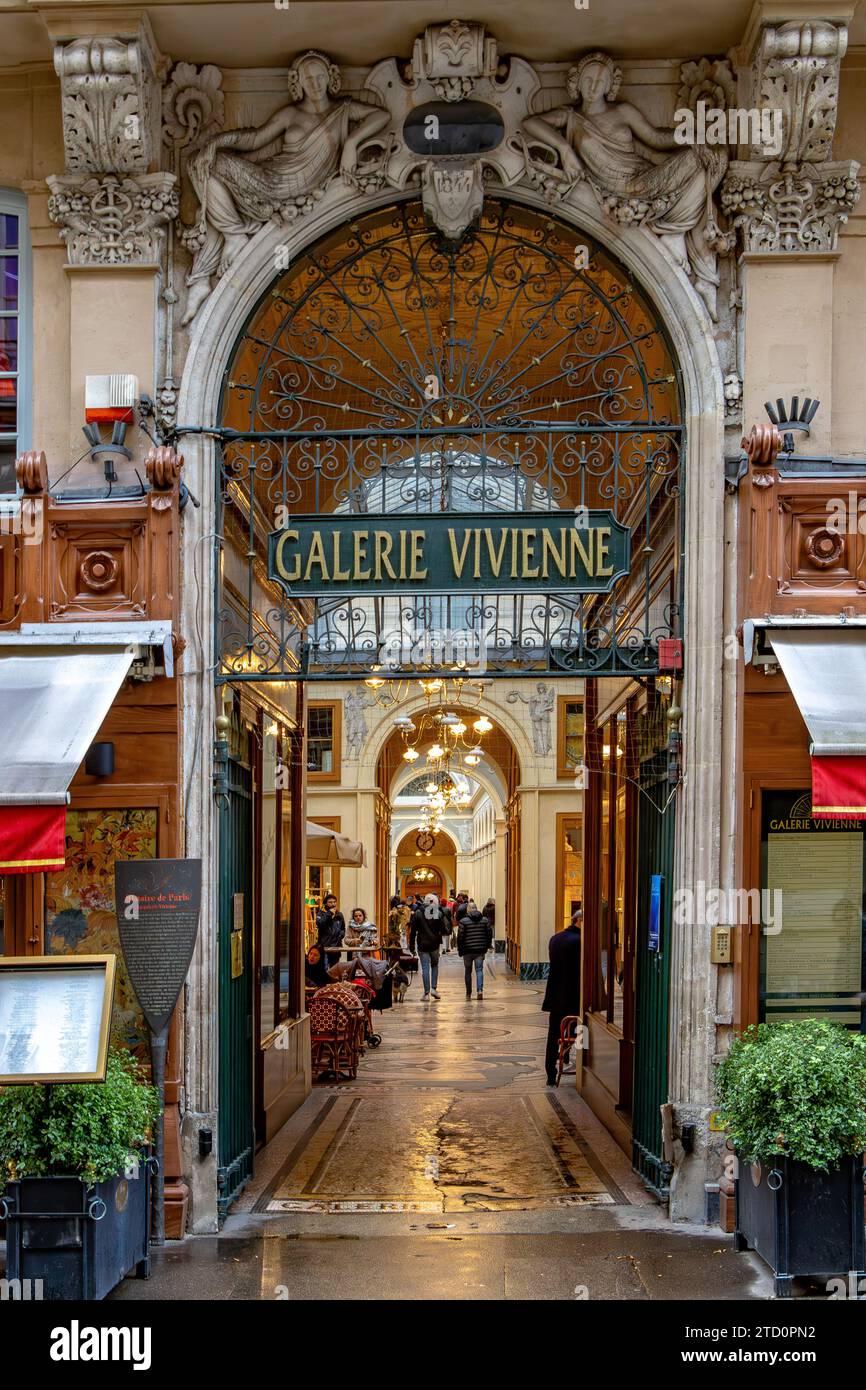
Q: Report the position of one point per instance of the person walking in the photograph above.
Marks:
(425, 929)
(461, 906)
(331, 928)
(562, 996)
(474, 939)
(447, 927)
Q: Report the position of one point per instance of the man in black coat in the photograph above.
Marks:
(562, 996)
(331, 928)
(474, 939)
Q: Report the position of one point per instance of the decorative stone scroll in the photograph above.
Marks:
(797, 200)
(796, 71)
(452, 57)
(113, 220)
(110, 102)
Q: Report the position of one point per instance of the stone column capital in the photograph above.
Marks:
(111, 220)
(111, 95)
(790, 210)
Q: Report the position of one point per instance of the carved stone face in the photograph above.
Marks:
(313, 76)
(595, 81)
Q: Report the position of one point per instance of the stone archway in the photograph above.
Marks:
(698, 838)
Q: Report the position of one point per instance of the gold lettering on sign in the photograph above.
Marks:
(417, 556)
(294, 573)
(550, 552)
(578, 548)
(383, 545)
(317, 557)
(514, 554)
(602, 553)
(496, 556)
(338, 572)
(530, 571)
(457, 562)
(361, 539)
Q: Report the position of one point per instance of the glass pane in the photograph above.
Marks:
(8, 231)
(268, 960)
(574, 734)
(816, 966)
(285, 902)
(320, 741)
(80, 915)
(8, 282)
(7, 466)
(572, 869)
(8, 405)
(8, 345)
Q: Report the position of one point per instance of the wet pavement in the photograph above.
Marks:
(448, 1169)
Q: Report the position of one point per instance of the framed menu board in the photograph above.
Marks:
(55, 1018)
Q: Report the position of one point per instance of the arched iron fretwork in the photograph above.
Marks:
(390, 371)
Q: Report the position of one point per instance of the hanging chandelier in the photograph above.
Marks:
(452, 737)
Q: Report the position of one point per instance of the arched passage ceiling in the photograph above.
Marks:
(499, 754)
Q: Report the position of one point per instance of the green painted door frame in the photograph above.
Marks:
(657, 817)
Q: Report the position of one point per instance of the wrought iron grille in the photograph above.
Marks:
(390, 371)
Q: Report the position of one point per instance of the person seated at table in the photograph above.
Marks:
(361, 931)
(315, 968)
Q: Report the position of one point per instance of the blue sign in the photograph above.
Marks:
(655, 913)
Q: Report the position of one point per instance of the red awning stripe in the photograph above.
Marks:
(32, 839)
(839, 786)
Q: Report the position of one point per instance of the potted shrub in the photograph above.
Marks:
(75, 1181)
(792, 1097)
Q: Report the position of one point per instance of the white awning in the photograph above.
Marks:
(53, 699)
(326, 846)
(825, 668)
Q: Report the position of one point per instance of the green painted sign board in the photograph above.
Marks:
(450, 552)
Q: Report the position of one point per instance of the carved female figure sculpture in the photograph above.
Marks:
(246, 177)
(600, 140)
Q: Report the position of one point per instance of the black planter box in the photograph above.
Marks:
(802, 1222)
(78, 1241)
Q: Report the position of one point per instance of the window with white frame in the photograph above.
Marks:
(14, 334)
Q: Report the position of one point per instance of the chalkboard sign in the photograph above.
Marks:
(158, 905)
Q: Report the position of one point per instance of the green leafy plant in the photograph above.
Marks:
(797, 1089)
(87, 1130)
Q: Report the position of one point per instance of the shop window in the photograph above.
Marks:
(285, 925)
(14, 335)
(569, 874)
(813, 910)
(323, 741)
(80, 911)
(268, 880)
(569, 741)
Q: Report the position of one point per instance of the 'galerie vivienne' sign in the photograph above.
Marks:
(448, 552)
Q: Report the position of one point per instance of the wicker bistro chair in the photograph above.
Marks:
(337, 1030)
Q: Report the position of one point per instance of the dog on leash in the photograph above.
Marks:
(400, 984)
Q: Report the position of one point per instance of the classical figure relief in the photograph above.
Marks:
(246, 177)
(541, 707)
(612, 146)
(355, 723)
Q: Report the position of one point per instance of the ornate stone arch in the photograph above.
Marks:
(699, 854)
